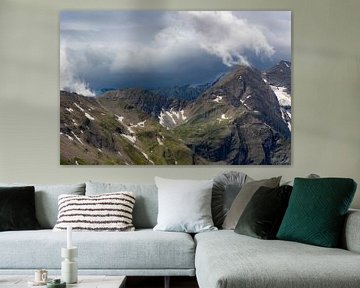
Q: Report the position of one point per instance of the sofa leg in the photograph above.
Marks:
(167, 282)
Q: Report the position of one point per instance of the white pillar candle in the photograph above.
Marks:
(69, 237)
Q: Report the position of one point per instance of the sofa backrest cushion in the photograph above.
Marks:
(146, 204)
(350, 235)
(46, 200)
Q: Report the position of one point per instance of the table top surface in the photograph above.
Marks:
(84, 281)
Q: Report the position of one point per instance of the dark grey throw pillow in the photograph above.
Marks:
(243, 198)
(46, 199)
(17, 208)
(225, 189)
(263, 214)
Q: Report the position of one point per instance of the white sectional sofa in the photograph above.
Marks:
(219, 259)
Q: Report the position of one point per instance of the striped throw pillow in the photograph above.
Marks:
(105, 212)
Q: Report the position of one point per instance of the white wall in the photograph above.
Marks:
(326, 91)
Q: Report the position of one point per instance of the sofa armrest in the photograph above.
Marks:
(351, 234)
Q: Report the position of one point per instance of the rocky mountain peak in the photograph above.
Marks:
(280, 75)
(232, 86)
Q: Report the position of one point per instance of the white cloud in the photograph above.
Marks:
(68, 79)
(218, 33)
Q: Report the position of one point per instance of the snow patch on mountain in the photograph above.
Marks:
(77, 138)
(286, 115)
(87, 115)
(159, 141)
(284, 98)
(218, 99)
(140, 124)
(223, 117)
(243, 103)
(130, 126)
(129, 137)
(183, 117)
(79, 107)
(147, 158)
(68, 136)
(171, 118)
(119, 118)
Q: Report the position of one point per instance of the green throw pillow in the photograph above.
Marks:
(316, 211)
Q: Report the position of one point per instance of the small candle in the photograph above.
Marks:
(69, 237)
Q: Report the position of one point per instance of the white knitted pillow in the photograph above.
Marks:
(105, 212)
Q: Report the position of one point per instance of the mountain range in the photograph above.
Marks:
(242, 118)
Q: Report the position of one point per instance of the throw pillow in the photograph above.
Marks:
(243, 198)
(46, 200)
(17, 209)
(226, 186)
(263, 215)
(146, 205)
(316, 211)
(106, 212)
(184, 205)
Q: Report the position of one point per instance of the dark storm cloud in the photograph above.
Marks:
(156, 49)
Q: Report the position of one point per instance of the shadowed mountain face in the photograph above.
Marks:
(243, 118)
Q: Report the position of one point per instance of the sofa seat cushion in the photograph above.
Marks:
(142, 249)
(225, 259)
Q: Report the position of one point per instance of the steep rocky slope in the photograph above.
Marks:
(238, 121)
(92, 134)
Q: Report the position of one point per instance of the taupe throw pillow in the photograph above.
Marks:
(243, 198)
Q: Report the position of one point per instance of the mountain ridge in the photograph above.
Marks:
(237, 120)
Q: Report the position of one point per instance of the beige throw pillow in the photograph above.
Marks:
(243, 198)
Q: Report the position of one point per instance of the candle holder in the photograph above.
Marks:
(69, 271)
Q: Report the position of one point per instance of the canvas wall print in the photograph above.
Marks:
(175, 88)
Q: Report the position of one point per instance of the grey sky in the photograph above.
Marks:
(118, 49)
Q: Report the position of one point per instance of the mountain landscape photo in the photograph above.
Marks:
(191, 88)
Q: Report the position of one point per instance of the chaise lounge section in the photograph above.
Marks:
(225, 259)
